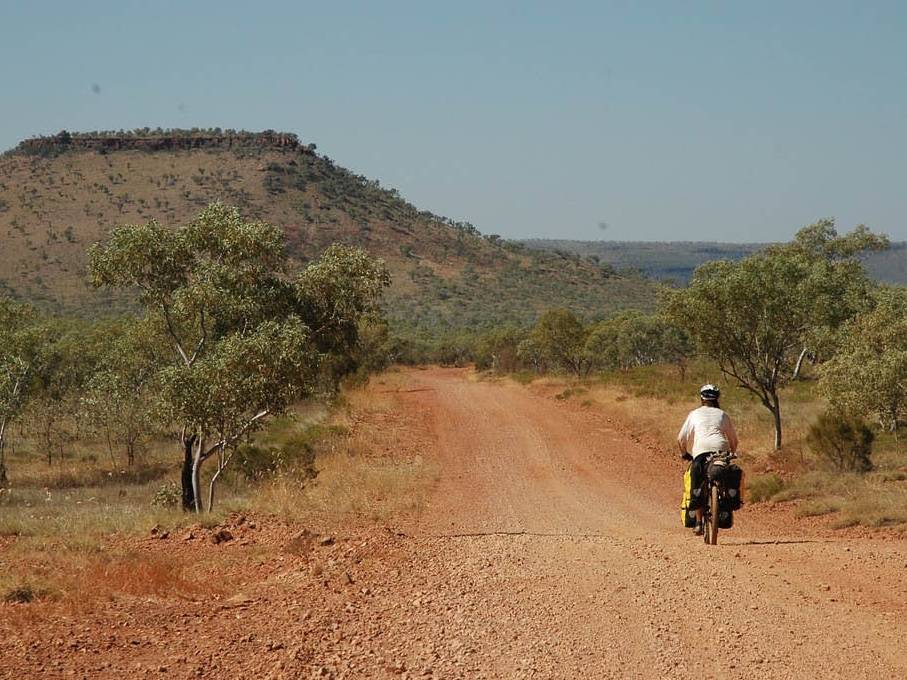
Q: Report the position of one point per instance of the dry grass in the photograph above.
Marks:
(760, 488)
(86, 512)
(62, 526)
(877, 499)
(81, 577)
(366, 469)
(348, 487)
(657, 397)
(85, 497)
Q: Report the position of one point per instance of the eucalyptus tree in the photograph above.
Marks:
(119, 398)
(633, 338)
(755, 317)
(558, 341)
(72, 350)
(20, 358)
(838, 285)
(244, 338)
(868, 374)
(750, 317)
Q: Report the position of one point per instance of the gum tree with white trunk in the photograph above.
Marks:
(245, 338)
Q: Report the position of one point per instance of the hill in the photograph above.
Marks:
(676, 260)
(60, 194)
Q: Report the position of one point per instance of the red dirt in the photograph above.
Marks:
(550, 548)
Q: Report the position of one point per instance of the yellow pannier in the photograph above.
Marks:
(687, 516)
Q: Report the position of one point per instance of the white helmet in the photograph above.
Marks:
(709, 392)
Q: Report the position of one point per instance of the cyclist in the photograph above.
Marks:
(706, 430)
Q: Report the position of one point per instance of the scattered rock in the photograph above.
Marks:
(301, 543)
(221, 536)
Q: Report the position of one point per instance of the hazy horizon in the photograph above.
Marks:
(584, 121)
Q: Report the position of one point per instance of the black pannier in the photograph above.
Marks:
(732, 479)
(718, 467)
(725, 514)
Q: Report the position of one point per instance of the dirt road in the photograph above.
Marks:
(580, 568)
(550, 548)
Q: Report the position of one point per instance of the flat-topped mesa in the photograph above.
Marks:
(168, 140)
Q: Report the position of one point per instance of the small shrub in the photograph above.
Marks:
(570, 392)
(257, 462)
(761, 488)
(844, 442)
(23, 594)
(170, 495)
(296, 454)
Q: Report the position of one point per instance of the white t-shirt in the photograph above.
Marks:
(707, 429)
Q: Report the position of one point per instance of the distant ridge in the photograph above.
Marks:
(675, 261)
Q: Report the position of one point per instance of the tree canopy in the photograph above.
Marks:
(756, 316)
(21, 358)
(868, 374)
(245, 338)
(557, 341)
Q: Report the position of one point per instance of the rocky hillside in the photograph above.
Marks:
(60, 194)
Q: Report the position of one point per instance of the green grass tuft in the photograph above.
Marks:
(760, 488)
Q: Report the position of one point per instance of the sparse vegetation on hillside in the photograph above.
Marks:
(58, 196)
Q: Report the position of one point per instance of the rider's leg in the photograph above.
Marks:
(696, 474)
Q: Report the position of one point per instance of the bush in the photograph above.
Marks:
(845, 442)
(23, 594)
(257, 462)
(296, 454)
(498, 350)
(170, 495)
(763, 487)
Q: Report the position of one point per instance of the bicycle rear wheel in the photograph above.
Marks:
(713, 516)
(706, 516)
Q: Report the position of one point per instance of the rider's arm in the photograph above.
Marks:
(683, 437)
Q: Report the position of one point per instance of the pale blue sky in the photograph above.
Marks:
(666, 120)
